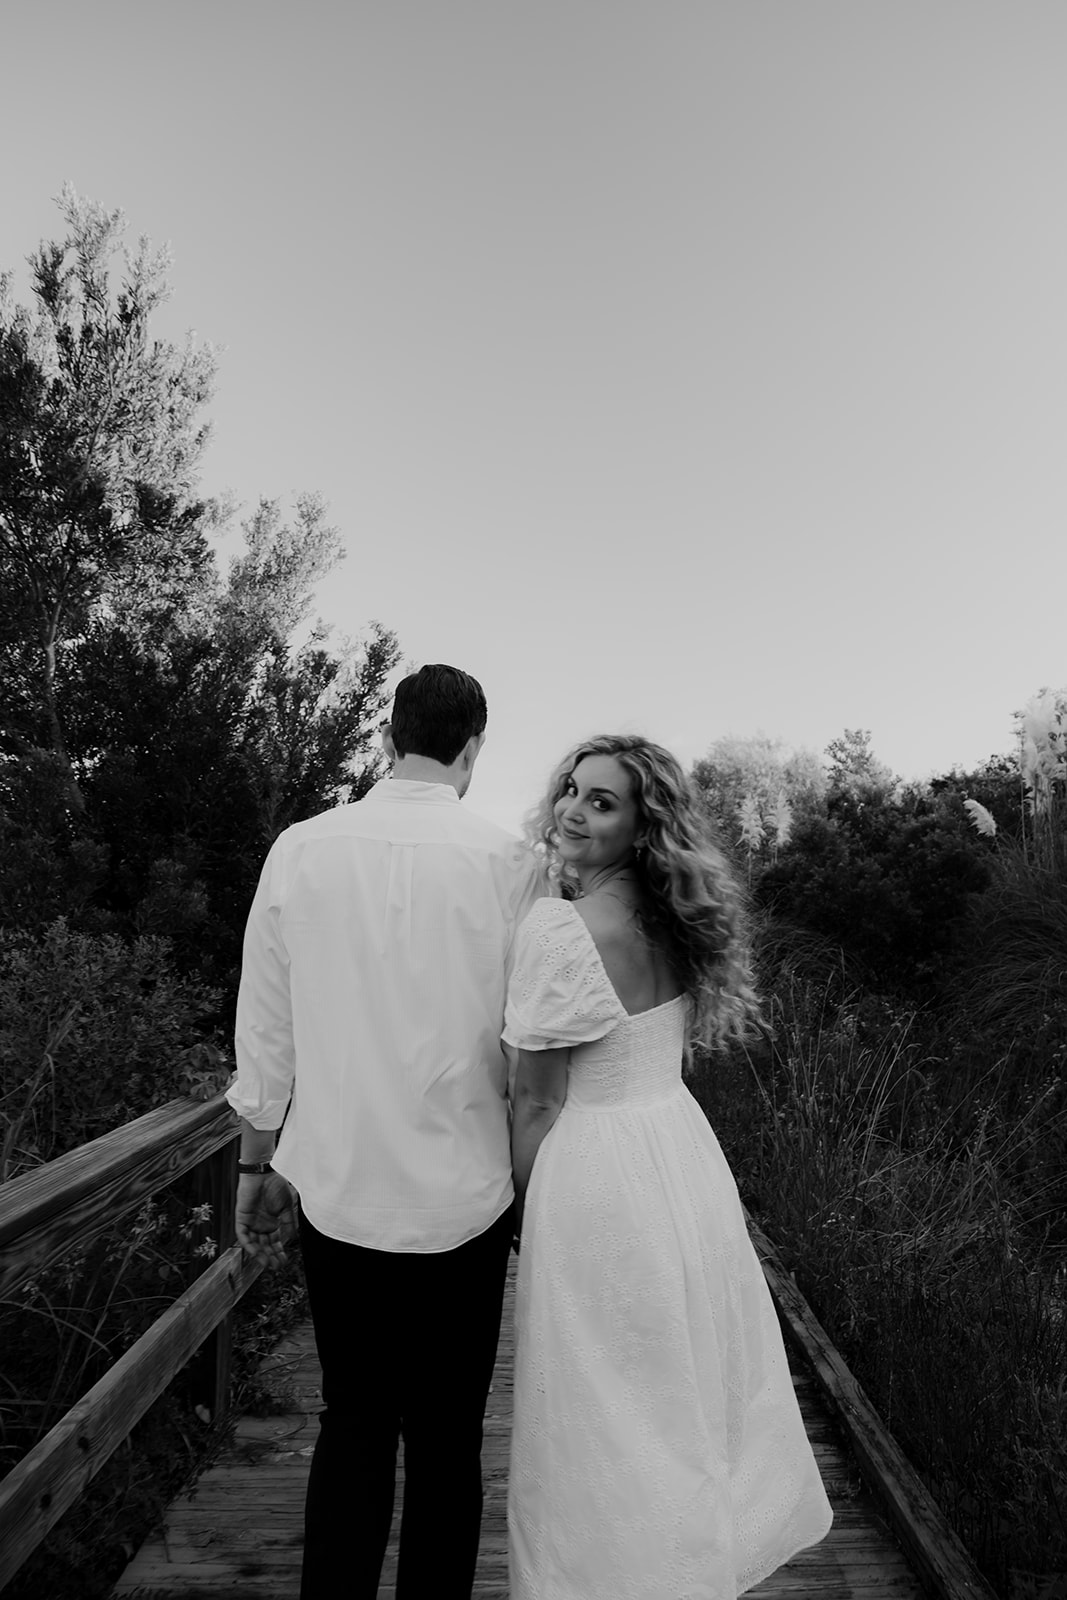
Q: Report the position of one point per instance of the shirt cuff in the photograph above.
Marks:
(265, 1115)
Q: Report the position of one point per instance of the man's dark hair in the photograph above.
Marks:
(435, 711)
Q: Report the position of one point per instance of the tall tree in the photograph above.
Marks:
(308, 710)
(198, 751)
(100, 440)
(854, 767)
(158, 725)
(269, 593)
(758, 780)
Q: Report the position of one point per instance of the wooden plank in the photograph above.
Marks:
(238, 1532)
(43, 1213)
(54, 1473)
(932, 1546)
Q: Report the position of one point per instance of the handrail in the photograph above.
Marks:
(42, 1214)
(111, 1176)
(932, 1546)
(102, 1181)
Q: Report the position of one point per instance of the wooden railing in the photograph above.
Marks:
(42, 1215)
(933, 1548)
(46, 1212)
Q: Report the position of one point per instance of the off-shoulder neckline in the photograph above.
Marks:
(630, 1015)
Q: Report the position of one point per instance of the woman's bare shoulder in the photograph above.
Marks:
(610, 922)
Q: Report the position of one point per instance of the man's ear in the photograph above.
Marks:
(387, 743)
(471, 749)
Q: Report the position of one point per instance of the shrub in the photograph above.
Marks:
(92, 1031)
(913, 1208)
(888, 880)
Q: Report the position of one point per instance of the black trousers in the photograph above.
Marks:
(407, 1345)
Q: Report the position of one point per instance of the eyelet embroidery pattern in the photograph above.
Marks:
(557, 994)
(658, 1451)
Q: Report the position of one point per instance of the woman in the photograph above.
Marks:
(658, 1450)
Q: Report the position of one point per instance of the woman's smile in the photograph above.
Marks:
(598, 793)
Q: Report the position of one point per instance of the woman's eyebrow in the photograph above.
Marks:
(599, 789)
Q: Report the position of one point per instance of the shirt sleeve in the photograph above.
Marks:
(529, 884)
(559, 993)
(263, 1040)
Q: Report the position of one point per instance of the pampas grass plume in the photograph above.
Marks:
(983, 820)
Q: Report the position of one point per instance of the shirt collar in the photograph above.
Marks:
(409, 789)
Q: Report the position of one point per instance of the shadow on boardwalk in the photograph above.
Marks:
(238, 1533)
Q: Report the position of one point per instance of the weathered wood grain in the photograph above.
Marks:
(214, 1182)
(44, 1212)
(238, 1533)
(932, 1546)
(36, 1492)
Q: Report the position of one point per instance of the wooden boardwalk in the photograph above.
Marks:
(238, 1533)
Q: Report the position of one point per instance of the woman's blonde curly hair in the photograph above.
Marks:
(692, 906)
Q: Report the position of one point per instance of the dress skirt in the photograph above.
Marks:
(658, 1451)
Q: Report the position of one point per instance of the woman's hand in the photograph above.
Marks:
(265, 1215)
(539, 1094)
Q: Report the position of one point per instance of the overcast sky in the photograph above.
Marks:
(686, 368)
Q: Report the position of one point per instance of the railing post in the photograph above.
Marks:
(215, 1182)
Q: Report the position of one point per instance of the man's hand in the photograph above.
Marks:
(264, 1207)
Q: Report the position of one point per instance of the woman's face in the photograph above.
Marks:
(597, 817)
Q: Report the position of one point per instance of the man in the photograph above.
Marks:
(368, 1020)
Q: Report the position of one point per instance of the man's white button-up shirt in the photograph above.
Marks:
(371, 1006)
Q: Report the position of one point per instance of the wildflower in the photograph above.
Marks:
(198, 1215)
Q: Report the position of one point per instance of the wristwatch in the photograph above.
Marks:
(256, 1167)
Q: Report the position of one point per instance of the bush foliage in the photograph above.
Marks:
(902, 1128)
(160, 723)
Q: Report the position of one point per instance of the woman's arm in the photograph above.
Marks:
(540, 1090)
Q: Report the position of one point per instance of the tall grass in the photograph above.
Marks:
(915, 1226)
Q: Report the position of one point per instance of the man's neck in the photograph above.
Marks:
(421, 769)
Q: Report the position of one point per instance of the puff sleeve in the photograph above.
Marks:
(559, 993)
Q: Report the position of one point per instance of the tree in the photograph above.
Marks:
(270, 585)
(307, 712)
(198, 751)
(99, 445)
(995, 784)
(159, 725)
(889, 878)
(758, 781)
(854, 768)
